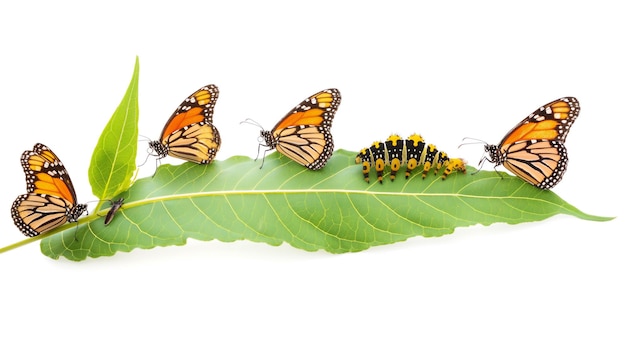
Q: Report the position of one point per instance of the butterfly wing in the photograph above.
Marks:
(197, 143)
(34, 214)
(551, 121)
(534, 150)
(189, 134)
(304, 133)
(196, 108)
(541, 163)
(45, 174)
(51, 199)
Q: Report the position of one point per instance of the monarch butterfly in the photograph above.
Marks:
(115, 206)
(189, 134)
(534, 150)
(303, 134)
(413, 152)
(50, 200)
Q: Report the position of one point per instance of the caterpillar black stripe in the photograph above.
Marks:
(413, 152)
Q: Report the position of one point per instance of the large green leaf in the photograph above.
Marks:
(333, 209)
(113, 160)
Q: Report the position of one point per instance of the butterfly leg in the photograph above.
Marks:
(156, 167)
(258, 152)
(75, 236)
(263, 160)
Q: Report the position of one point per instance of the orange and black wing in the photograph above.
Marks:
(196, 108)
(304, 133)
(549, 122)
(50, 200)
(534, 150)
(46, 174)
(189, 134)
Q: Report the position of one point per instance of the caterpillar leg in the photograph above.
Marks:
(411, 165)
(364, 156)
(395, 166)
(413, 151)
(380, 167)
(427, 166)
(454, 164)
(366, 171)
(441, 160)
(430, 158)
(395, 147)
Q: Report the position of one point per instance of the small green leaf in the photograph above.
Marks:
(333, 209)
(113, 161)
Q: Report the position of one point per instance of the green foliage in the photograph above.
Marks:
(333, 209)
(113, 161)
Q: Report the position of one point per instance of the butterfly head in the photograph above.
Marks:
(267, 139)
(492, 154)
(156, 148)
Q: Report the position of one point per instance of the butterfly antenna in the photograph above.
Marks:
(144, 138)
(98, 202)
(252, 122)
(472, 142)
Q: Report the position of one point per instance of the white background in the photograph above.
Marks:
(447, 70)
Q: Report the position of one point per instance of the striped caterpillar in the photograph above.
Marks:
(413, 152)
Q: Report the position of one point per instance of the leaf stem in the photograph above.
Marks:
(52, 232)
(21, 243)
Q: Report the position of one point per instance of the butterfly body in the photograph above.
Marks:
(50, 200)
(304, 133)
(534, 150)
(412, 152)
(189, 134)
